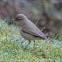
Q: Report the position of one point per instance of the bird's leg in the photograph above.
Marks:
(28, 44)
(34, 43)
(22, 43)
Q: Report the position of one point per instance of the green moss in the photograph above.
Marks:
(11, 49)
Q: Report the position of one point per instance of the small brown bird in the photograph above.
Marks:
(29, 30)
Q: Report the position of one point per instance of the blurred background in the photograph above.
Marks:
(46, 14)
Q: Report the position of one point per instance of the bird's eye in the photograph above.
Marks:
(18, 19)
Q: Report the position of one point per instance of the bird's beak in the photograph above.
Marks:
(16, 19)
(15, 22)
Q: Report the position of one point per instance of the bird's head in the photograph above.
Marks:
(20, 19)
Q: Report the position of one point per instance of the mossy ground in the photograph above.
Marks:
(11, 49)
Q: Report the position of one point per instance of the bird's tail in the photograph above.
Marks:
(49, 39)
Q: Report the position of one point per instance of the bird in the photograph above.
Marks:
(28, 30)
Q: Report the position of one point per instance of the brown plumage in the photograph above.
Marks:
(28, 29)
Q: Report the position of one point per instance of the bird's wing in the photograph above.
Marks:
(35, 33)
(32, 29)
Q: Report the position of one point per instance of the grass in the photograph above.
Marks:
(11, 49)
